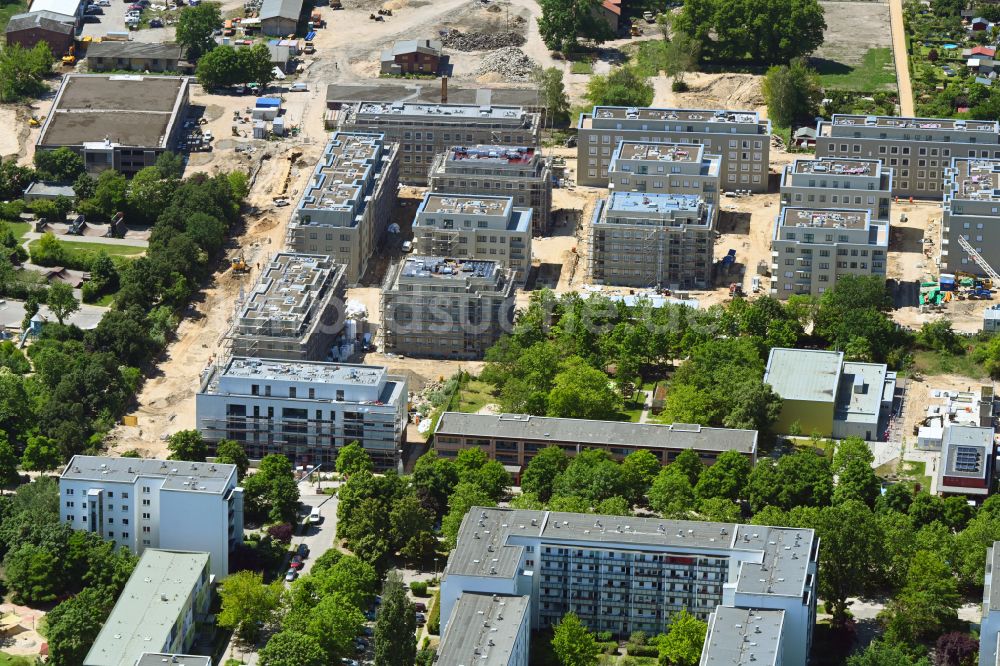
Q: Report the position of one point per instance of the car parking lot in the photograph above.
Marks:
(111, 19)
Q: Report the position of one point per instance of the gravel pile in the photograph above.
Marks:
(482, 41)
(510, 62)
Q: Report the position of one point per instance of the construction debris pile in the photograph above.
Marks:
(511, 63)
(482, 41)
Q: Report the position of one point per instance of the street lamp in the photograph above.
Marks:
(435, 567)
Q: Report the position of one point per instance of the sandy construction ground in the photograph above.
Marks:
(852, 28)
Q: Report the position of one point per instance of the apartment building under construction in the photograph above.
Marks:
(918, 150)
(665, 168)
(520, 172)
(812, 248)
(832, 182)
(972, 214)
(487, 228)
(740, 138)
(424, 130)
(648, 240)
(293, 312)
(344, 210)
(443, 307)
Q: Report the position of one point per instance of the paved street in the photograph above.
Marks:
(319, 537)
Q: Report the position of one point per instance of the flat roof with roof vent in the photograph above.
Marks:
(971, 179)
(344, 174)
(482, 630)
(811, 375)
(824, 218)
(206, 477)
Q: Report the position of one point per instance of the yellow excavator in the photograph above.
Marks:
(239, 264)
(70, 57)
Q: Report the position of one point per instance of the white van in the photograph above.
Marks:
(755, 284)
(315, 516)
(300, 87)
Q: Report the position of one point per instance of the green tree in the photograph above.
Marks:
(22, 71)
(671, 493)
(195, 26)
(61, 300)
(885, 653)
(8, 462)
(791, 91)
(71, 627)
(255, 65)
(852, 554)
(798, 479)
(622, 86)
(220, 67)
(147, 195)
(170, 165)
(111, 193)
(61, 164)
(582, 392)
(41, 454)
(939, 336)
(689, 462)
(639, 469)
(681, 645)
(409, 523)
(726, 478)
(573, 643)
(542, 471)
(13, 179)
(765, 31)
(84, 186)
(229, 452)
(594, 476)
(927, 605)
(33, 574)
(334, 622)
(550, 84)
(852, 465)
(292, 648)
(248, 604)
(187, 445)
(680, 56)
(352, 459)
(395, 624)
(563, 21)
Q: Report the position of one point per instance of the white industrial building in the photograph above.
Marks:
(305, 410)
(142, 503)
(625, 574)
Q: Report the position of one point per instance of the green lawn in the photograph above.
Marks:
(582, 67)
(19, 229)
(876, 72)
(917, 471)
(15, 660)
(935, 363)
(6, 11)
(113, 250)
(106, 300)
(473, 395)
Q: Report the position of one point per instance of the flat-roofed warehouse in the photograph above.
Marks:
(121, 122)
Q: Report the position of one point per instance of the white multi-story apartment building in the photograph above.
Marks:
(158, 611)
(838, 183)
(142, 503)
(971, 212)
(916, 149)
(989, 629)
(625, 574)
(305, 410)
(665, 168)
(740, 138)
(520, 172)
(344, 210)
(424, 130)
(652, 240)
(812, 248)
(484, 228)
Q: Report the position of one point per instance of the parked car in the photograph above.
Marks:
(421, 619)
(420, 607)
(407, 247)
(302, 551)
(156, 23)
(291, 575)
(315, 516)
(349, 662)
(104, 3)
(370, 615)
(368, 631)
(296, 562)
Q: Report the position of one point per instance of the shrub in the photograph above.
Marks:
(604, 636)
(282, 532)
(679, 86)
(643, 650)
(434, 622)
(419, 588)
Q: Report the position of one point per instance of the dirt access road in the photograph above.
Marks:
(900, 57)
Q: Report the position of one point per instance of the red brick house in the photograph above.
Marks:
(412, 56)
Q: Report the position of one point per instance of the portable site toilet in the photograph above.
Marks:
(278, 127)
(259, 129)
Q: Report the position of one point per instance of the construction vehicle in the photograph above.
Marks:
(736, 290)
(70, 57)
(35, 121)
(336, 4)
(978, 259)
(635, 30)
(648, 17)
(239, 264)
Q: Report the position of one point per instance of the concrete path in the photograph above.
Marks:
(900, 57)
(100, 240)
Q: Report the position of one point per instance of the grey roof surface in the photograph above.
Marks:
(106, 49)
(429, 93)
(42, 19)
(179, 474)
(406, 46)
(290, 9)
(785, 552)
(597, 433)
(740, 636)
(804, 374)
(131, 110)
(148, 607)
(482, 630)
(969, 438)
(160, 659)
(41, 188)
(866, 405)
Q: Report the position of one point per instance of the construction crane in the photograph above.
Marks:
(978, 258)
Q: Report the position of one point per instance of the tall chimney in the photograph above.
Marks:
(444, 89)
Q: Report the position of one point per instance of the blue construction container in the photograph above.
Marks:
(268, 102)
